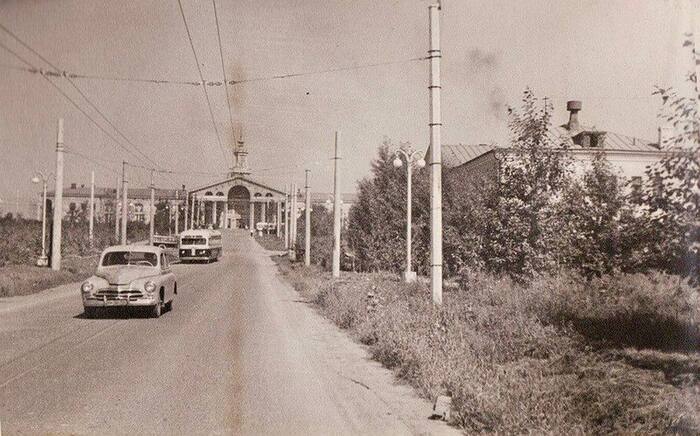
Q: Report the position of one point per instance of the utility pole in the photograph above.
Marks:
(116, 213)
(279, 217)
(336, 208)
(293, 223)
(286, 217)
(177, 210)
(434, 55)
(192, 212)
(307, 222)
(201, 219)
(151, 212)
(125, 204)
(43, 260)
(92, 208)
(187, 206)
(195, 212)
(58, 201)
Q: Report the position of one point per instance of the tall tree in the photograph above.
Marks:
(376, 229)
(671, 193)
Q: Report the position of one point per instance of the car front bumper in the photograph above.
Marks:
(119, 296)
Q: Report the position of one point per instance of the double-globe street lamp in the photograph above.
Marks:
(409, 156)
(43, 260)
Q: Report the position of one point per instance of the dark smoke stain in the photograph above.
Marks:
(237, 94)
(478, 60)
(481, 69)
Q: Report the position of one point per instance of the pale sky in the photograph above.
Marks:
(609, 54)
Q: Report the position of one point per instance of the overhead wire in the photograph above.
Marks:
(77, 153)
(210, 83)
(329, 70)
(223, 68)
(104, 117)
(132, 165)
(71, 75)
(67, 97)
(201, 77)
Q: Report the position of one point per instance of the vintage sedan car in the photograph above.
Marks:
(130, 275)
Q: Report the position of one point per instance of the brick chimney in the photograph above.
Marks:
(573, 106)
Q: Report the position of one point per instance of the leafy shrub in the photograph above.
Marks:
(321, 236)
(20, 239)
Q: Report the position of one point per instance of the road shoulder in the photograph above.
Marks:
(368, 392)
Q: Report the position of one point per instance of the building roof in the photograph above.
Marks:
(246, 178)
(134, 193)
(611, 141)
(454, 155)
(457, 154)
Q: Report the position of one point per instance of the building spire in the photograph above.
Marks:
(240, 158)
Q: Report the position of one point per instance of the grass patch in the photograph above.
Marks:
(270, 242)
(515, 360)
(26, 279)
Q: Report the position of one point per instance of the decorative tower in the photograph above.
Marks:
(240, 159)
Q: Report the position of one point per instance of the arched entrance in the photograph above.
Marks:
(238, 207)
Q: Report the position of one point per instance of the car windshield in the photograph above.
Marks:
(194, 241)
(130, 258)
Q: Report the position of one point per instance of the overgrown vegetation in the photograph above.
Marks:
(321, 235)
(270, 242)
(557, 356)
(25, 279)
(20, 246)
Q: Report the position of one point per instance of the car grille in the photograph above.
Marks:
(118, 293)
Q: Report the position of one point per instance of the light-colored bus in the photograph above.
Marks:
(200, 245)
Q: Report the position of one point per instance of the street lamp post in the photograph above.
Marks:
(409, 155)
(43, 260)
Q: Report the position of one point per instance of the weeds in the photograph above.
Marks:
(513, 357)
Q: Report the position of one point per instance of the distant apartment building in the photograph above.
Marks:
(76, 200)
(238, 201)
(628, 156)
(325, 199)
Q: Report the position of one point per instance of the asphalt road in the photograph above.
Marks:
(240, 353)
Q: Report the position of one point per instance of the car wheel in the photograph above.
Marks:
(90, 312)
(169, 306)
(157, 309)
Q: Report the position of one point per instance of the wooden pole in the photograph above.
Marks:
(307, 223)
(336, 208)
(151, 212)
(91, 229)
(116, 212)
(58, 201)
(125, 203)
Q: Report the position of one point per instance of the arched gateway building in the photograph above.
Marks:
(239, 201)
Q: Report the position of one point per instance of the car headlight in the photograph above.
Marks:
(86, 287)
(149, 287)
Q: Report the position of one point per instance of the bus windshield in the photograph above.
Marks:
(194, 241)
